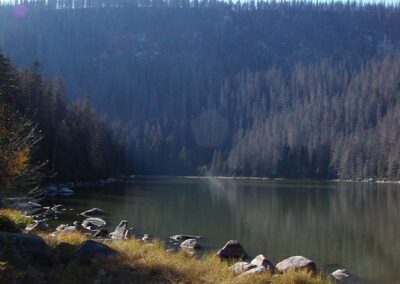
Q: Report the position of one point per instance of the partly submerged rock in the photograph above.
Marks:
(92, 223)
(58, 208)
(340, 274)
(94, 251)
(241, 267)
(93, 212)
(190, 244)
(65, 191)
(232, 249)
(296, 263)
(182, 237)
(121, 232)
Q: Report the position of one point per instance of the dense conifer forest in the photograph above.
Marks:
(43, 137)
(279, 89)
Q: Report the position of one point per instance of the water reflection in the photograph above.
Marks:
(351, 225)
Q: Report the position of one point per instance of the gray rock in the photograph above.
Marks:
(51, 190)
(258, 269)
(296, 263)
(232, 249)
(93, 223)
(77, 223)
(93, 251)
(69, 229)
(24, 246)
(65, 191)
(261, 260)
(241, 267)
(146, 238)
(121, 232)
(58, 208)
(101, 233)
(38, 226)
(61, 227)
(340, 274)
(182, 237)
(93, 212)
(190, 244)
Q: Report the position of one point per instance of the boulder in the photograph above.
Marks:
(190, 244)
(232, 249)
(102, 233)
(182, 237)
(340, 274)
(93, 251)
(25, 247)
(92, 223)
(121, 232)
(257, 269)
(261, 260)
(241, 267)
(296, 263)
(40, 225)
(93, 212)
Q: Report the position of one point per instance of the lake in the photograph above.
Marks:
(351, 225)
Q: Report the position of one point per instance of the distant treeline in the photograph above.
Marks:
(283, 89)
(44, 136)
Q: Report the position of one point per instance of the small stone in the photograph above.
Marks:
(182, 237)
(93, 212)
(145, 237)
(340, 274)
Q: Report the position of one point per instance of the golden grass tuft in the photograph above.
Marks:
(16, 216)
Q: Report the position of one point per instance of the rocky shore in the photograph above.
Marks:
(93, 243)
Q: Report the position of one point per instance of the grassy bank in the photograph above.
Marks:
(137, 262)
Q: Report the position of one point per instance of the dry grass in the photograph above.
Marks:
(138, 262)
(16, 216)
(141, 262)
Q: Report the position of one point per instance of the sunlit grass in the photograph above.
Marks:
(16, 216)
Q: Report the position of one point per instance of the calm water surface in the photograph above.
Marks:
(351, 225)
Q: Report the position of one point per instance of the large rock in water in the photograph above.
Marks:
(296, 263)
(261, 260)
(121, 232)
(93, 251)
(27, 247)
(93, 212)
(232, 249)
(190, 244)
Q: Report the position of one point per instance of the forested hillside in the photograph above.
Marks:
(43, 137)
(288, 89)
